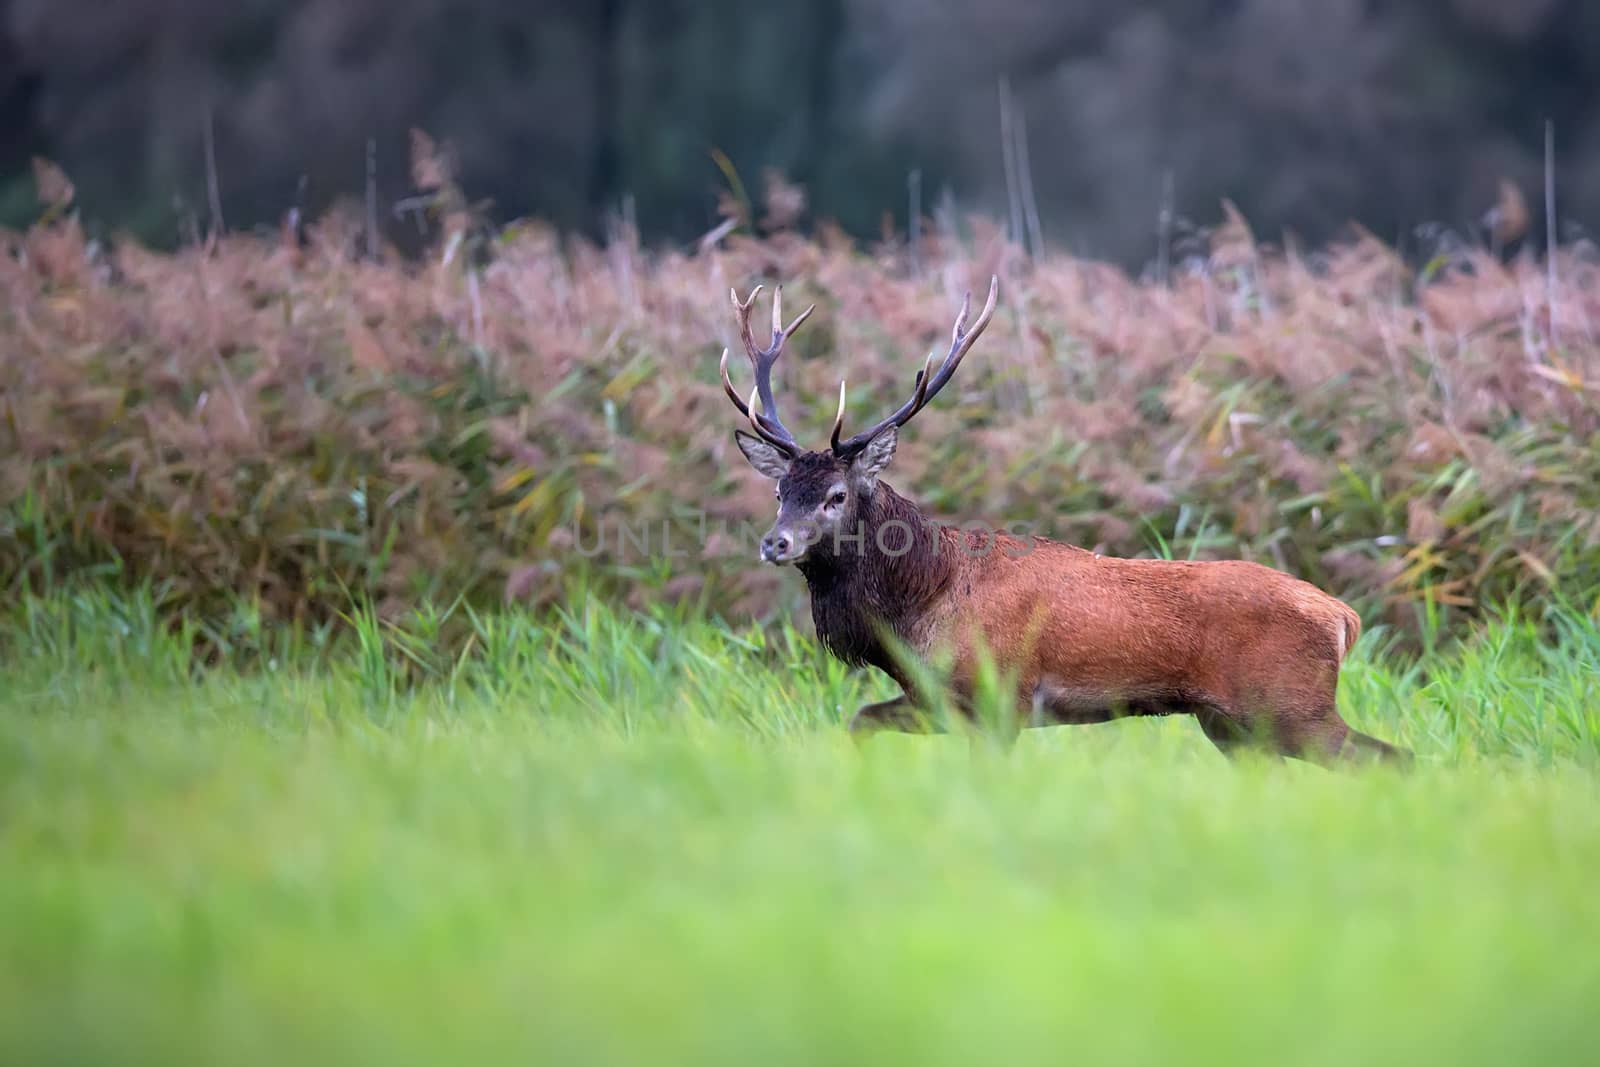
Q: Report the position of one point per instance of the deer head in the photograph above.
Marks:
(820, 494)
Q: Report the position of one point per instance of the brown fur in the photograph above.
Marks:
(1252, 652)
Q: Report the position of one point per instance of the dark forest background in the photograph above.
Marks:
(1306, 113)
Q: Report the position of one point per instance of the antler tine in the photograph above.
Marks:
(748, 409)
(766, 422)
(926, 388)
(747, 303)
(779, 331)
(727, 386)
(741, 311)
(961, 319)
(838, 420)
(755, 419)
(961, 342)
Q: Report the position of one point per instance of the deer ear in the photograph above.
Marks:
(871, 460)
(762, 456)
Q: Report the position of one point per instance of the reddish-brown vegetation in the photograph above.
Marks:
(263, 418)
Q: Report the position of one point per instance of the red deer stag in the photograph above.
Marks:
(1251, 652)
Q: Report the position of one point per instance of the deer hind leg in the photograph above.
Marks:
(1309, 727)
(1296, 713)
(1303, 729)
(1360, 746)
(1331, 742)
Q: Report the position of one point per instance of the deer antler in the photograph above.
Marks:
(926, 388)
(765, 422)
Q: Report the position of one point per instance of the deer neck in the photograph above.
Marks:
(887, 578)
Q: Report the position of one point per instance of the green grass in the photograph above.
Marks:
(631, 839)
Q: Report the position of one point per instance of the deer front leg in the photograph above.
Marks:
(900, 715)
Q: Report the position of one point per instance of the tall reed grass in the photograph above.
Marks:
(284, 422)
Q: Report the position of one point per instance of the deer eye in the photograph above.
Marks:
(837, 498)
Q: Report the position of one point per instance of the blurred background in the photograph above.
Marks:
(1080, 118)
(273, 421)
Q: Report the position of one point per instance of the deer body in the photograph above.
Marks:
(1251, 652)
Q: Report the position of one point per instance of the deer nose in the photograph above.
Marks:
(774, 547)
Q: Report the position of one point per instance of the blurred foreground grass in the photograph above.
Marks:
(614, 838)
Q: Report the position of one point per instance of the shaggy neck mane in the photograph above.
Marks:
(858, 586)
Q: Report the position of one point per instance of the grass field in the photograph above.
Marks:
(619, 838)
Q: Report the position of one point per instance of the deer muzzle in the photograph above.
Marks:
(783, 544)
